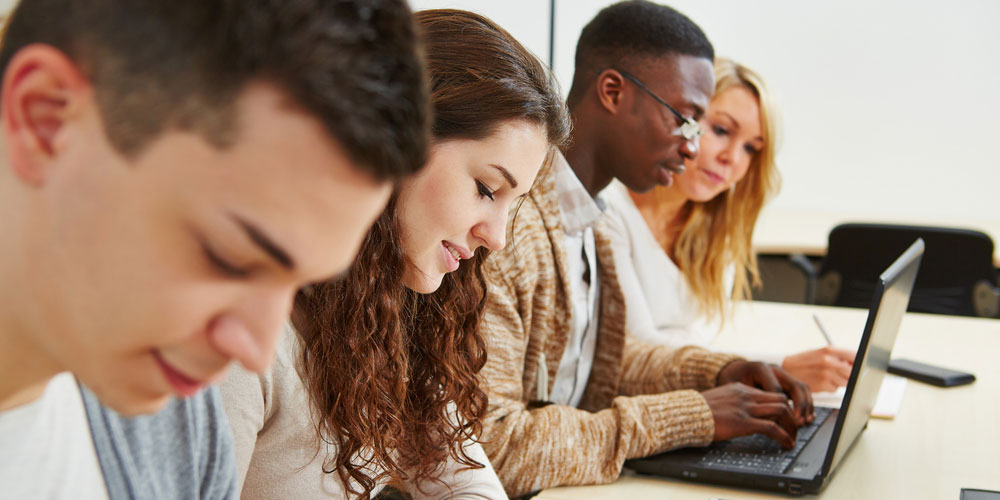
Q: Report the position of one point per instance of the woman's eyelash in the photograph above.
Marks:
(719, 130)
(223, 265)
(484, 191)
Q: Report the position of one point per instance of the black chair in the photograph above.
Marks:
(787, 278)
(956, 275)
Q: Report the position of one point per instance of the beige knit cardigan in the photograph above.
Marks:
(626, 410)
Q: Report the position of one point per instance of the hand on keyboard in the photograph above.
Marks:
(758, 453)
(771, 378)
(740, 410)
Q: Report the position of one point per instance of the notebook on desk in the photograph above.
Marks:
(887, 404)
(759, 462)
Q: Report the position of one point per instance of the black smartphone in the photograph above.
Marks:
(930, 374)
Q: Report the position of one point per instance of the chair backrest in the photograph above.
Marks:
(955, 261)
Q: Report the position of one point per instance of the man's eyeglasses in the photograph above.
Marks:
(689, 129)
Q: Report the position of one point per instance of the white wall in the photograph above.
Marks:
(896, 96)
(892, 96)
(526, 20)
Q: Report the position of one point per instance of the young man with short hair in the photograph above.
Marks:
(571, 395)
(173, 171)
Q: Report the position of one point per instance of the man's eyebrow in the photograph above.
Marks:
(506, 175)
(699, 112)
(265, 242)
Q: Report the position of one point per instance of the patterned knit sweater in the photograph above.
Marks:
(632, 406)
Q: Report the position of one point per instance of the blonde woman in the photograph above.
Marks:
(687, 247)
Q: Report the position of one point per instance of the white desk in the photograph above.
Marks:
(806, 232)
(941, 441)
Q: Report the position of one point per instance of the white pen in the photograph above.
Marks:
(822, 330)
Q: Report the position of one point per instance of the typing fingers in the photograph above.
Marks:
(780, 414)
(760, 397)
(772, 429)
(751, 373)
(763, 376)
(799, 393)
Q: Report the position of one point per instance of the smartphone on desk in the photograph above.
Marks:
(930, 374)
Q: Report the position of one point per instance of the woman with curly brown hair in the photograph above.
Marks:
(375, 382)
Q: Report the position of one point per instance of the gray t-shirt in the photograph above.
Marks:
(184, 451)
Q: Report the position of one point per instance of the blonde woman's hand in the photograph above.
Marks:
(823, 369)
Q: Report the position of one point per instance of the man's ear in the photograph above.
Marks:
(42, 91)
(610, 86)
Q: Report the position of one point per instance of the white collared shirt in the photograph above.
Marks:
(579, 213)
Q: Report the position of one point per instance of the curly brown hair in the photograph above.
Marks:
(392, 374)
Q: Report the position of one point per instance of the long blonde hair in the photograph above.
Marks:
(719, 233)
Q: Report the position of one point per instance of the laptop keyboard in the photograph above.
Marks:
(759, 453)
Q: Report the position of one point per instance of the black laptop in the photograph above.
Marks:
(758, 461)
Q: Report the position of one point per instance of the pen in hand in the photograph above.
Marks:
(822, 330)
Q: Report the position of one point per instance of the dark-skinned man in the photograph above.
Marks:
(572, 395)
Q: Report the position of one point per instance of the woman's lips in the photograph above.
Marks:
(463, 254)
(183, 385)
(451, 263)
(714, 177)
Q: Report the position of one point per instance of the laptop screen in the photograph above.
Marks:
(892, 295)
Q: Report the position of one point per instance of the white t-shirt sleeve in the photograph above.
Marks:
(47, 449)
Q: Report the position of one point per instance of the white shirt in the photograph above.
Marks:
(46, 449)
(579, 213)
(661, 309)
